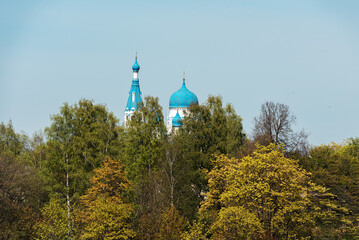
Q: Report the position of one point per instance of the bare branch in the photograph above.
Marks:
(274, 125)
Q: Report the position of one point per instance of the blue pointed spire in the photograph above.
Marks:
(134, 97)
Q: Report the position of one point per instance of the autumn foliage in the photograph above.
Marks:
(105, 211)
(88, 177)
(263, 196)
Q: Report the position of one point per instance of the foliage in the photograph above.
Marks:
(237, 223)
(262, 196)
(105, 212)
(242, 190)
(144, 139)
(212, 128)
(171, 225)
(144, 146)
(10, 141)
(109, 180)
(175, 178)
(18, 196)
(195, 232)
(207, 130)
(79, 138)
(82, 134)
(21, 188)
(336, 166)
(108, 219)
(37, 154)
(53, 224)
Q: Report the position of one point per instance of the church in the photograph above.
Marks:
(178, 102)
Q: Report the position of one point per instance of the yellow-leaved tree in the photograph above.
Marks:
(105, 212)
(53, 224)
(171, 225)
(263, 196)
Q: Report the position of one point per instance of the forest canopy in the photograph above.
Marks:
(89, 177)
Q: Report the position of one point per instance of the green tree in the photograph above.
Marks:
(144, 139)
(53, 224)
(336, 167)
(105, 210)
(21, 189)
(175, 175)
(12, 142)
(207, 130)
(213, 129)
(79, 138)
(263, 196)
(17, 213)
(144, 146)
(33, 158)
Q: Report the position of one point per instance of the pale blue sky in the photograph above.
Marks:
(301, 53)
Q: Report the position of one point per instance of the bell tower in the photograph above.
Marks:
(134, 96)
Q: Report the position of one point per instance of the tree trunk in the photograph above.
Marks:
(68, 198)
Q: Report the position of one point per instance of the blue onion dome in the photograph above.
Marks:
(177, 121)
(183, 97)
(135, 66)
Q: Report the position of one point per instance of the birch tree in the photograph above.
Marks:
(144, 144)
(79, 138)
